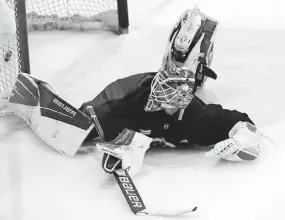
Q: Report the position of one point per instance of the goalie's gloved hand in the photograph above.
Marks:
(126, 151)
(242, 144)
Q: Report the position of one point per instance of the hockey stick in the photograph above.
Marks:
(127, 185)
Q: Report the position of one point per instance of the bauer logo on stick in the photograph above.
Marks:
(129, 190)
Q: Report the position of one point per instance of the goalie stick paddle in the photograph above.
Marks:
(122, 177)
(129, 190)
(128, 187)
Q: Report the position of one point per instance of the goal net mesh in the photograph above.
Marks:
(49, 15)
(9, 61)
(71, 14)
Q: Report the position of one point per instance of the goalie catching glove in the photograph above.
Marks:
(125, 152)
(242, 144)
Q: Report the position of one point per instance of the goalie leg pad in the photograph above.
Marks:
(59, 124)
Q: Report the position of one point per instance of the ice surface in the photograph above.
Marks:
(39, 184)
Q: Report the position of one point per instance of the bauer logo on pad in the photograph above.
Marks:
(64, 107)
(54, 107)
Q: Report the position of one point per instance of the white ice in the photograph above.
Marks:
(37, 183)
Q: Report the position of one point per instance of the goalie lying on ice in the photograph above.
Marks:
(139, 111)
(136, 112)
(162, 107)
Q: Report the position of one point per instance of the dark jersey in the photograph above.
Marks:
(121, 105)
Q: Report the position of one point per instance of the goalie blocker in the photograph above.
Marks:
(59, 124)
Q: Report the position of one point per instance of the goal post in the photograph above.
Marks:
(123, 16)
(22, 35)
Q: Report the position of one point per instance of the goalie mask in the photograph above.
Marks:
(191, 41)
(171, 88)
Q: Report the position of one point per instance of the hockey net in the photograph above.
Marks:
(9, 56)
(73, 14)
(9, 69)
(31, 15)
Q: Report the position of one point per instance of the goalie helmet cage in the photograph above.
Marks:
(111, 15)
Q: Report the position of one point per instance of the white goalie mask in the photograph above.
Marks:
(171, 88)
(191, 41)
